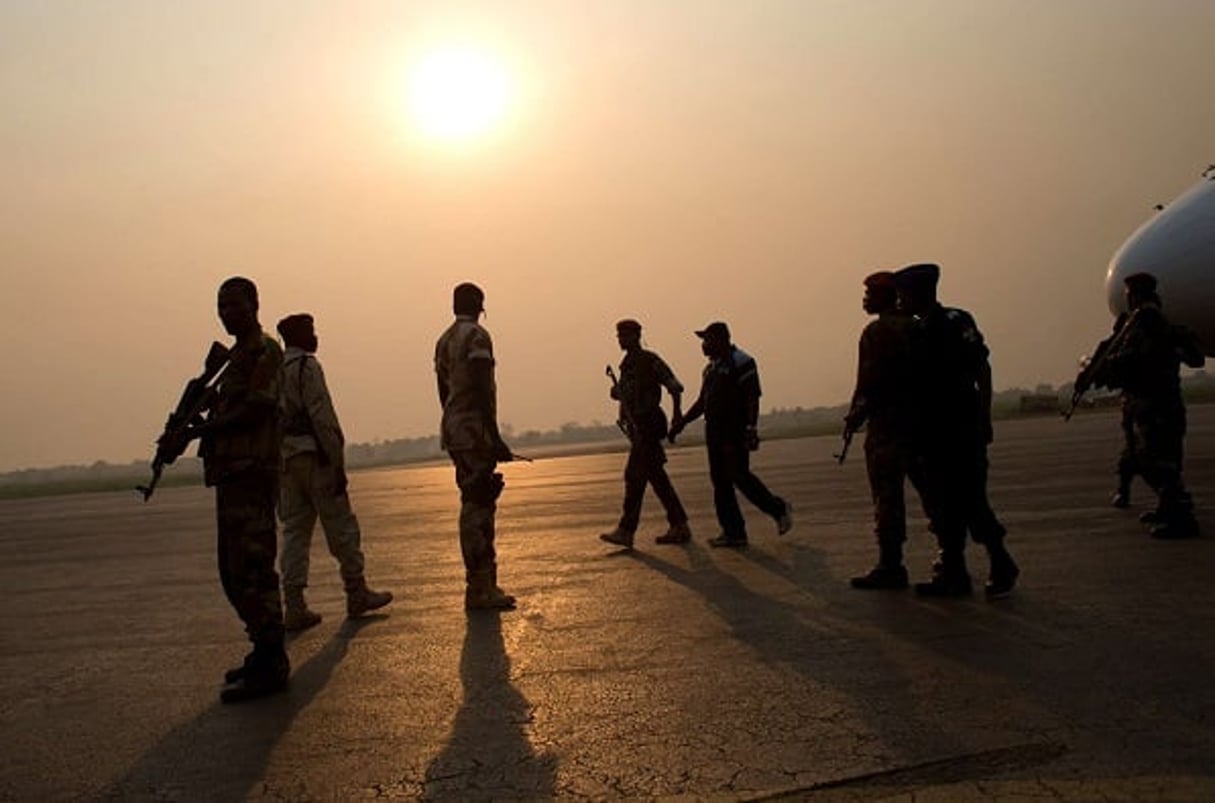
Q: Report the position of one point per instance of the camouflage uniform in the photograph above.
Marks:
(880, 403)
(1146, 366)
(241, 461)
(469, 435)
(643, 374)
(313, 460)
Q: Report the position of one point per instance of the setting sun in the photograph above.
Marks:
(457, 94)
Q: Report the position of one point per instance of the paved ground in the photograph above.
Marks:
(667, 672)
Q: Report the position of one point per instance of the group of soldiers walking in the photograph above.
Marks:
(271, 443)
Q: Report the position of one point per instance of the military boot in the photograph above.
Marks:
(265, 672)
(1176, 527)
(619, 536)
(493, 581)
(1003, 573)
(889, 573)
(296, 616)
(949, 580)
(482, 595)
(360, 599)
(1121, 497)
(677, 534)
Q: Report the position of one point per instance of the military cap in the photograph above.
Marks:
(716, 329)
(467, 298)
(627, 325)
(921, 276)
(1141, 284)
(294, 327)
(881, 280)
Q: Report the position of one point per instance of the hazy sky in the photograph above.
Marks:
(676, 162)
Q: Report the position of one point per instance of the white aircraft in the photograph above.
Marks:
(1177, 246)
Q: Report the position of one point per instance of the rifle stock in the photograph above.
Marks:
(196, 398)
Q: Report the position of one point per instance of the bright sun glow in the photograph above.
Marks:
(458, 94)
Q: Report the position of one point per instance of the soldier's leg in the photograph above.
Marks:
(1127, 464)
(678, 531)
(344, 539)
(1161, 430)
(725, 502)
(246, 512)
(298, 512)
(634, 487)
(987, 530)
(480, 485)
(885, 465)
(937, 478)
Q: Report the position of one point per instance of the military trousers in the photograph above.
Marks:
(480, 486)
(247, 541)
(647, 466)
(309, 491)
(1160, 425)
(730, 468)
(886, 465)
(1128, 461)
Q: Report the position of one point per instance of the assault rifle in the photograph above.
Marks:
(626, 426)
(198, 397)
(842, 455)
(1092, 368)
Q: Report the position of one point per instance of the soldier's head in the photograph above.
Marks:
(628, 334)
(714, 339)
(1140, 288)
(468, 299)
(299, 331)
(237, 305)
(880, 295)
(916, 286)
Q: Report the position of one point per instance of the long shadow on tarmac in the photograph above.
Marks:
(223, 753)
(488, 755)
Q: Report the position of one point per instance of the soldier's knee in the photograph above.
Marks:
(484, 489)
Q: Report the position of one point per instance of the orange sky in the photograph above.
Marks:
(676, 162)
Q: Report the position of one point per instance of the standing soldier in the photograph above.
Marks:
(951, 425)
(879, 403)
(643, 375)
(464, 364)
(314, 482)
(240, 452)
(1146, 362)
(729, 401)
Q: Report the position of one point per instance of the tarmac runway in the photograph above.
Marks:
(665, 672)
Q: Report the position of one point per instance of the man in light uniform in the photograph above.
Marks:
(464, 368)
(314, 482)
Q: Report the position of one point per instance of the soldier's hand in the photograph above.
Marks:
(502, 452)
(676, 428)
(614, 392)
(752, 439)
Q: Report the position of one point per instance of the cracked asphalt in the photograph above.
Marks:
(665, 672)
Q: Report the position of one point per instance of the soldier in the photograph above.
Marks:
(879, 402)
(729, 401)
(464, 365)
(240, 451)
(1146, 362)
(314, 482)
(950, 409)
(643, 375)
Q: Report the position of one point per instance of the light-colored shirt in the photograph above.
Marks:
(309, 421)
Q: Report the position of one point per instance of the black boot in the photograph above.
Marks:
(265, 672)
(1003, 573)
(888, 574)
(950, 580)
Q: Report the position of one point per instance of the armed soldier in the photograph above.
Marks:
(950, 397)
(879, 403)
(314, 482)
(464, 367)
(240, 451)
(729, 401)
(1145, 362)
(643, 375)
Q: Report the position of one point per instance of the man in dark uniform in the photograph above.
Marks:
(879, 404)
(240, 451)
(464, 369)
(729, 401)
(1146, 364)
(643, 375)
(950, 408)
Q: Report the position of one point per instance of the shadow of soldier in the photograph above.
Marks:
(489, 755)
(223, 753)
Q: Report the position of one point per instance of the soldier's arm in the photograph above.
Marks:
(255, 403)
(667, 377)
